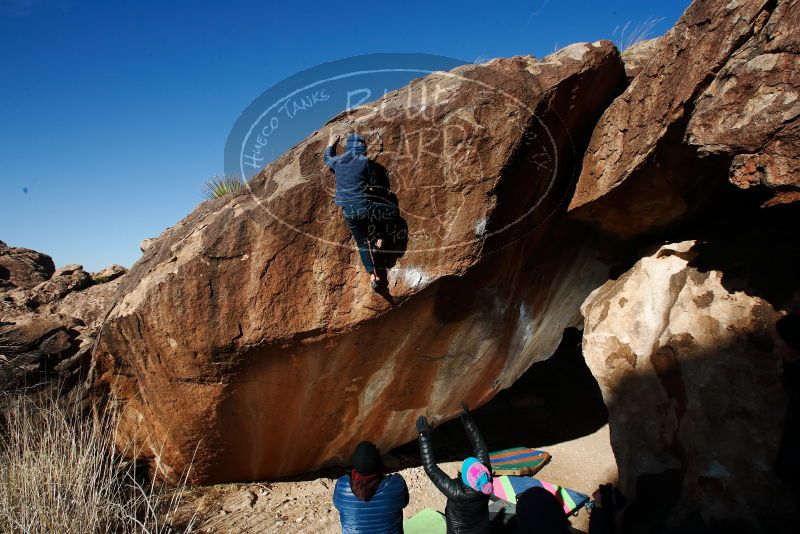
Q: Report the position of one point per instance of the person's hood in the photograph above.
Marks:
(356, 145)
(364, 487)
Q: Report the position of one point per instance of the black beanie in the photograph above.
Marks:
(366, 459)
(539, 512)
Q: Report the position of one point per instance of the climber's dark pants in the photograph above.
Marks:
(357, 217)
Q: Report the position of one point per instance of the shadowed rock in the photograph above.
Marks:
(47, 330)
(691, 375)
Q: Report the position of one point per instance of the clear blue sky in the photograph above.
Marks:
(112, 113)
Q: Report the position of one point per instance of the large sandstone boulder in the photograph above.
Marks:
(691, 374)
(247, 342)
(750, 113)
(719, 93)
(23, 268)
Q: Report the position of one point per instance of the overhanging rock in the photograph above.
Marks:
(247, 342)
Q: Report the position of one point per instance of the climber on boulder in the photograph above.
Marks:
(362, 213)
(369, 501)
(467, 510)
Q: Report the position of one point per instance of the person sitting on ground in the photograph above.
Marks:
(368, 500)
(467, 510)
(352, 170)
(539, 512)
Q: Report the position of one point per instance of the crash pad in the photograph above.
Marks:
(518, 461)
(428, 521)
(502, 515)
(508, 487)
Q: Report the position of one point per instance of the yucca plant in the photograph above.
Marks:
(221, 185)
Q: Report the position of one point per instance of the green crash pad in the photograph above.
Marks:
(428, 521)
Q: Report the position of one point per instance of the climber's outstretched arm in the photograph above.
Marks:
(329, 155)
(476, 439)
(439, 478)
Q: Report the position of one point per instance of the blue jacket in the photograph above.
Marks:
(383, 514)
(352, 175)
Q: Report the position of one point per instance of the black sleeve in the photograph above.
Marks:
(439, 478)
(476, 439)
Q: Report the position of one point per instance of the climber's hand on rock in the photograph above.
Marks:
(422, 425)
(333, 139)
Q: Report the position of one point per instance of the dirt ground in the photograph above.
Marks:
(305, 506)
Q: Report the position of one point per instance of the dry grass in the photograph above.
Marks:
(59, 473)
(630, 36)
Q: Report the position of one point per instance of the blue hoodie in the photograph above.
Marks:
(382, 514)
(351, 169)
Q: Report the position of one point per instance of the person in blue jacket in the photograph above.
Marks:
(369, 501)
(361, 211)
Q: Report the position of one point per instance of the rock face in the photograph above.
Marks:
(23, 268)
(691, 374)
(720, 92)
(637, 56)
(89, 305)
(145, 244)
(112, 272)
(47, 329)
(750, 113)
(246, 341)
(64, 281)
(683, 344)
(32, 343)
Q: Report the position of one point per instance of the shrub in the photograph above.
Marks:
(59, 473)
(219, 186)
